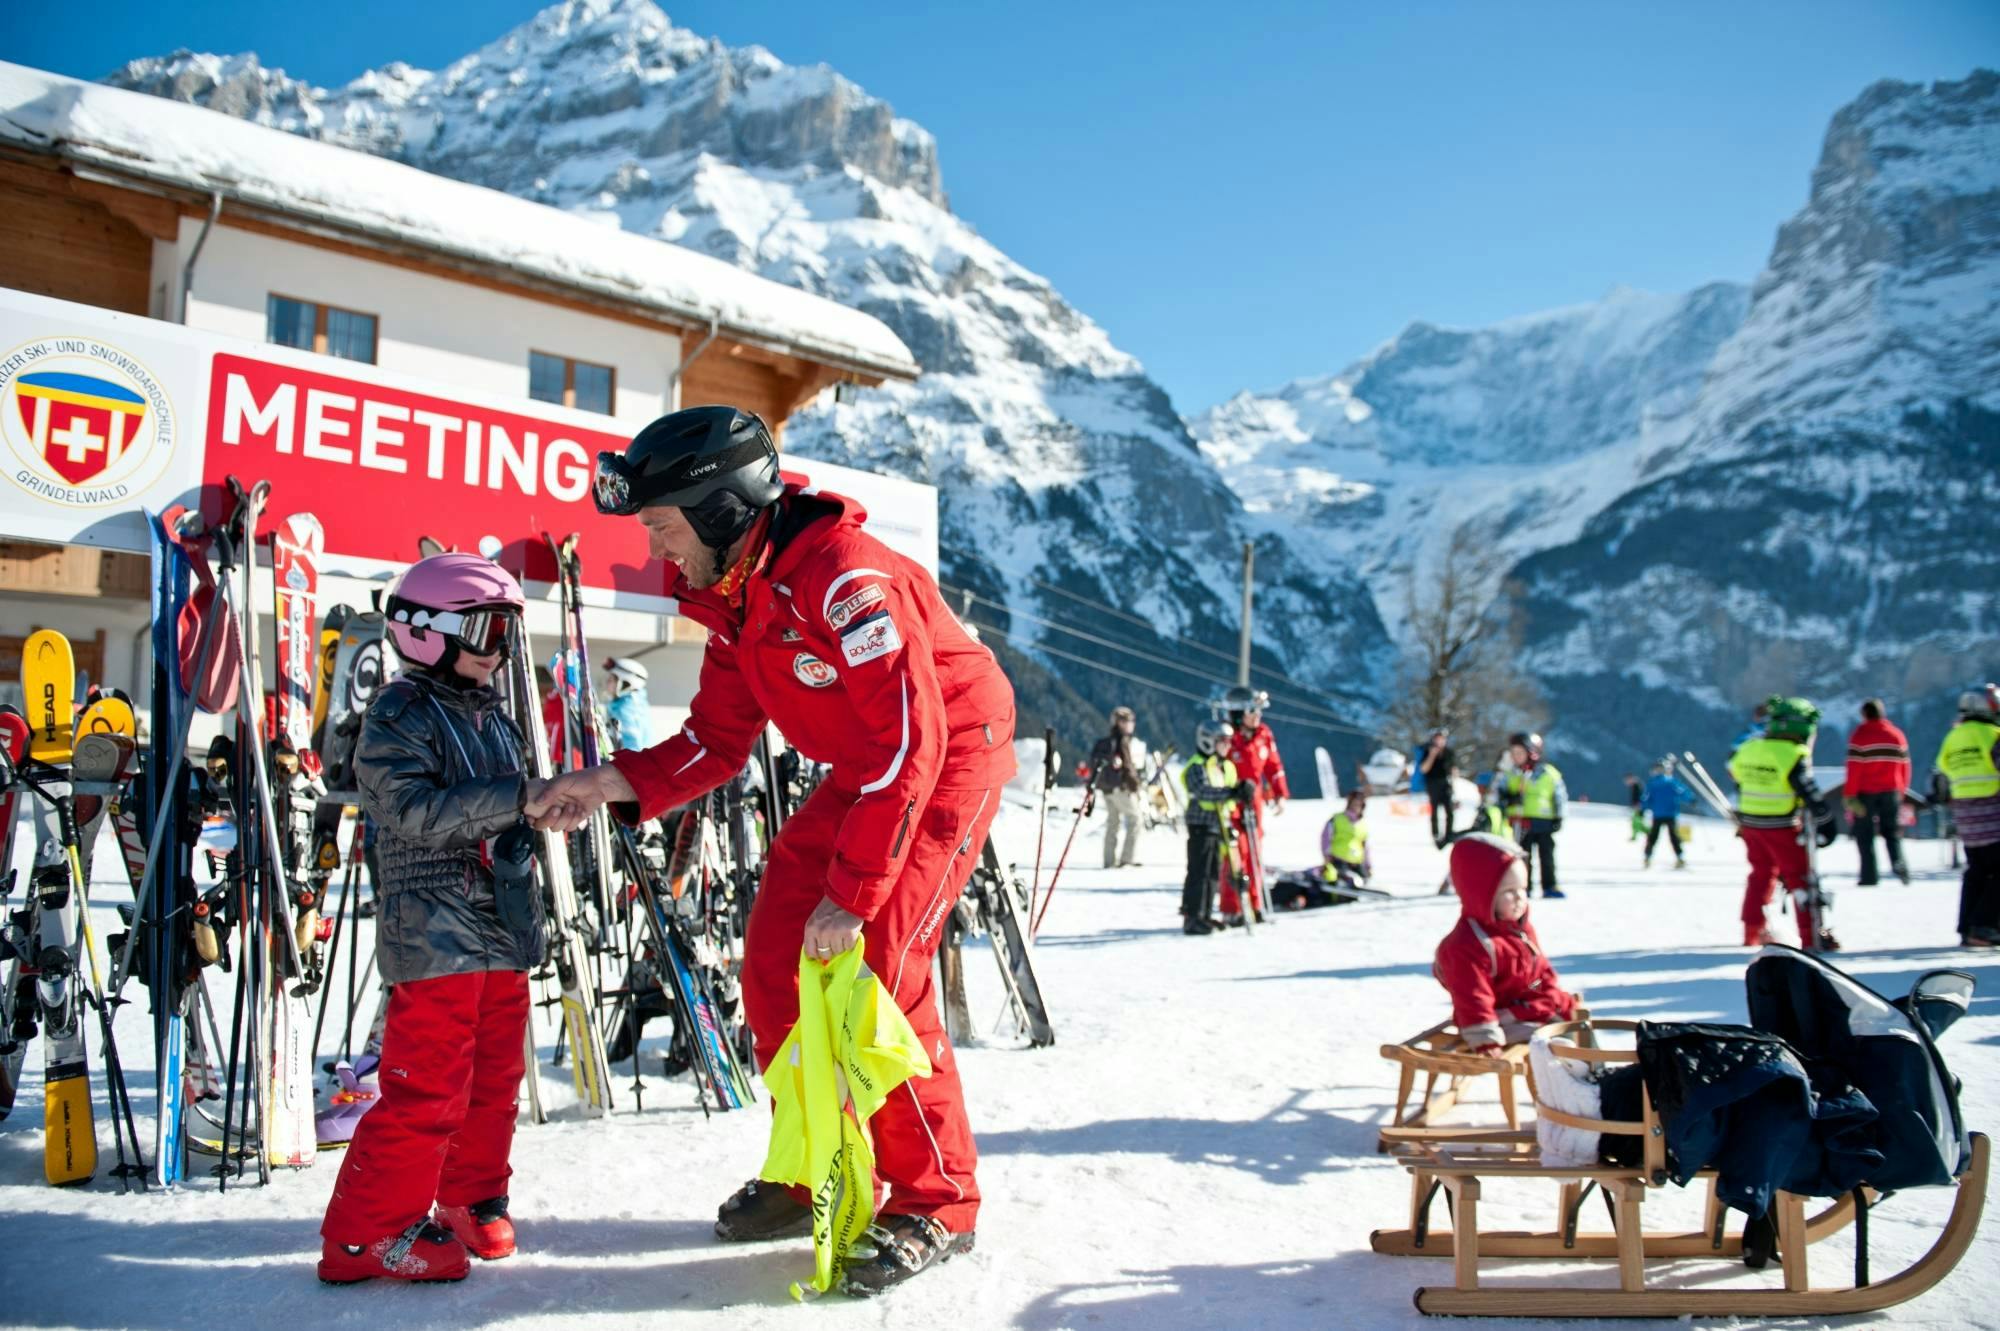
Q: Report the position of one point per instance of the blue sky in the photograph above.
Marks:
(1245, 194)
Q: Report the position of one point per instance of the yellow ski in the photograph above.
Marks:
(48, 686)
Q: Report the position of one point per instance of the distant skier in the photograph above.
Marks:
(1635, 792)
(846, 645)
(1773, 774)
(1665, 797)
(1539, 799)
(1115, 770)
(440, 768)
(629, 713)
(1254, 750)
(1878, 772)
(1212, 787)
(1969, 759)
(1437, 768)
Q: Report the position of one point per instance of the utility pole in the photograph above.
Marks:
(1243, 642)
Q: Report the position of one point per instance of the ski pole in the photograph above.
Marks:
(1042, 809)
(1082, 812)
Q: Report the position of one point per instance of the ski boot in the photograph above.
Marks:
(1649, 862)
(423, 1253)
(1680, 864)
(896, 1248)
(761, 1211)
(1553, 894)
(483, 1227)
(1195, 925)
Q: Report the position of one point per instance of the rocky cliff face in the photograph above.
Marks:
(1715, 496)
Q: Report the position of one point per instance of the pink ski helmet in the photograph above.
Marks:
(450, 603)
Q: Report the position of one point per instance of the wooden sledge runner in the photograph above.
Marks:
(1460, 1168)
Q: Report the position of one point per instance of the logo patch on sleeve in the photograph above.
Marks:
(812, 672)
(845, 612)
(869, 638)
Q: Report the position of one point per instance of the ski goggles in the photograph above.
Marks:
(480, 632)
(619, 490)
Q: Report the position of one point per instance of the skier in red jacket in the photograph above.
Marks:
(846, 645)
(1254, 751)
(1501, 983)
(1878, 772)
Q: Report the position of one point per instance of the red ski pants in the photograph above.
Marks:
(1775, 852)
(452, 1058)
(924, 1153)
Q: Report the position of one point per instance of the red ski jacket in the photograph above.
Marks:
(1256, 757)
(1495, 973)
(1878, 759)
(848, 648)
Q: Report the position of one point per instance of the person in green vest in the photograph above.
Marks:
(1344, 844)
(1536, 800)
(1212, 791)
(1773, 775)
(1969, 760)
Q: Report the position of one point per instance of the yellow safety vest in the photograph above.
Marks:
(1538, 792)
(1348, 846)
(851, 1047)
(1763, 772)
(1966, 759)
(1217, 771)
(1495, 821)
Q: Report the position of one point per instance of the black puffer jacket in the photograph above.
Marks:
(439, 767)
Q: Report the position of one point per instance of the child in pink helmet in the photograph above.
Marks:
(440, 765)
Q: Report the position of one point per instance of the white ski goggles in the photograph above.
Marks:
(480, 632)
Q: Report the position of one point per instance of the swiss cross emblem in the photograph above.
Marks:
(80, 425)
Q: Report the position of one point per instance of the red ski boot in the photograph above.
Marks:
(482, 1227)
(422, 1253)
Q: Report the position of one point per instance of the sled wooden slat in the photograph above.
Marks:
(1516, 1243)
(1440, 1054)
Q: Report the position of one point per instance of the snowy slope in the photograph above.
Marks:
(1196, 1151)
(1058, 460)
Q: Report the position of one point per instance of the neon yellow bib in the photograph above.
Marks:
(851, 1047)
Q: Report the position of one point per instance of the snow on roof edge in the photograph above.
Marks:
(175, 143)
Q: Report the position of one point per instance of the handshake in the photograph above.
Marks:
(566, 802)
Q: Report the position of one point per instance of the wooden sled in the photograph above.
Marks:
(1460, 1169)
(1440, 1054)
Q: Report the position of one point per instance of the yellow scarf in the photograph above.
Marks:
(851, 1047)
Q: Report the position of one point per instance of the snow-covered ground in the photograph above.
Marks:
(1197, 1150)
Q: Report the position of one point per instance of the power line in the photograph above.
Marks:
(1148, 625)
(1126, 648)
(1163, 688)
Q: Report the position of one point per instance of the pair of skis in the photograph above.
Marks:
(993, 903)
(74, 767)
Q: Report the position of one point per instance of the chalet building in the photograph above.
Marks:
(175, 214)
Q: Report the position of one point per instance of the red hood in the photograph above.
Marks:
(1477, 862)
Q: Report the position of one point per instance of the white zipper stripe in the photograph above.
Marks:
(936, 1154)
(896, 985)
(896, 763)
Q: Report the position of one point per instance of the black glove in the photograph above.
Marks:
(1246, 791)
(1555, 825)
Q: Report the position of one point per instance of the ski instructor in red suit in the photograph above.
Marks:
(846, 645)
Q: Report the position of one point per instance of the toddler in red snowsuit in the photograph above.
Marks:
(1501, 983)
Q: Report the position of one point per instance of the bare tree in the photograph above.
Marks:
(1461, 662)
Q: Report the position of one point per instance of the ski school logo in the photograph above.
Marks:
(83, 424)
(812, 672)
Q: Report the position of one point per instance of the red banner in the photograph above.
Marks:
(380, 466)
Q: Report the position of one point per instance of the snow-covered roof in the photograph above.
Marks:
(188, 147)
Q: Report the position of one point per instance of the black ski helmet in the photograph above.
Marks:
(716, 464)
